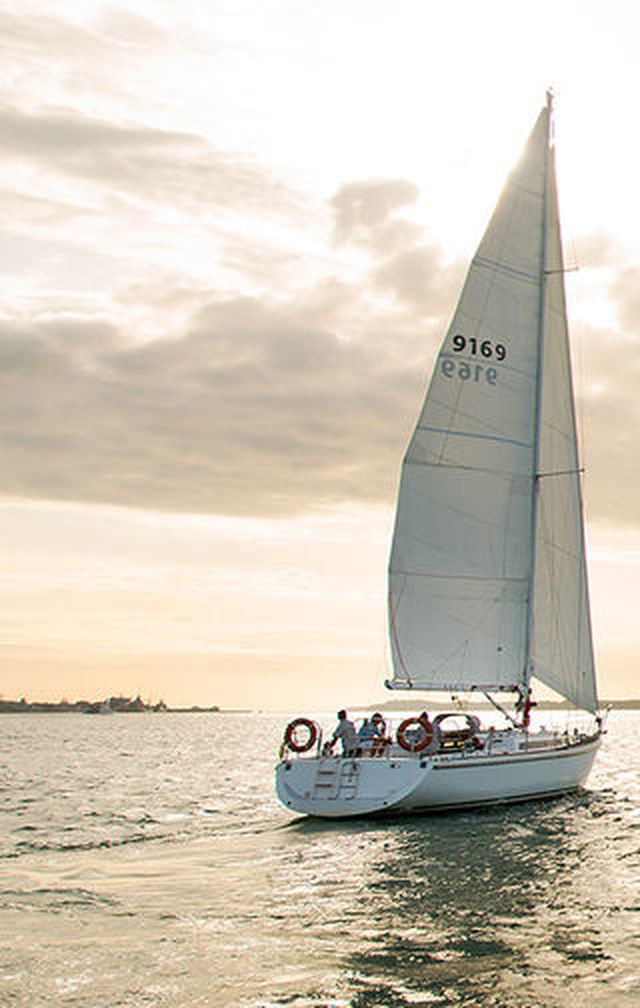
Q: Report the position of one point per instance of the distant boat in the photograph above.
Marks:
(487, 575)
(99, 708)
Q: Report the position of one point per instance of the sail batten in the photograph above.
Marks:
(486, 582)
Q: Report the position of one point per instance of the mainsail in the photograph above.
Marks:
(487, 577)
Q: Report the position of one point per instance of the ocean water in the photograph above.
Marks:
(147, 862)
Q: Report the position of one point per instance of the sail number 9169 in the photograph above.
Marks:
(485, 348)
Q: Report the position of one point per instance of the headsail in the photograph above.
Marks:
(561, 646)
(461, 561)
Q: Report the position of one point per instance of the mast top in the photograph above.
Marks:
(550, 118)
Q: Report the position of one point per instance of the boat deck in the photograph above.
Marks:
(458, 745)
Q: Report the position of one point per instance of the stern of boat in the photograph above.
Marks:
(338, 787)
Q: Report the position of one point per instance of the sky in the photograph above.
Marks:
(233, 235)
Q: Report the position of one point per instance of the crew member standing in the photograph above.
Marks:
(346, 732)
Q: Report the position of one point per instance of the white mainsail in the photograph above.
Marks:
(489, 510)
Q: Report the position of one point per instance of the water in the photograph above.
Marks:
(146, 862)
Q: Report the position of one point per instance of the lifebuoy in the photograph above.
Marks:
(290, 735)
(417, 744)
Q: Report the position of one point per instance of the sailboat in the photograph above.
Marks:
(488, 589)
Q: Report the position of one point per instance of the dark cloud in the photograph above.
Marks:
(273, 404)
(256, 410)
(280, 403)
(608, 379)
(269, 405)
(610, 423)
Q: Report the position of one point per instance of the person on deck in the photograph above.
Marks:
(379, 725)
(346, 732)
(367, 731)
(380, 742)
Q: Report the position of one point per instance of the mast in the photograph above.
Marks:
(528, 670)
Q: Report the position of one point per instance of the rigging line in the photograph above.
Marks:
(561, 472)
(499, 708)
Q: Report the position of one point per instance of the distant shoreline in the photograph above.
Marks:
(115, 705)
(124, 705)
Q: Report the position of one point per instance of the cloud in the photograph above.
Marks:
(625, 294)
(365, 213)
(265, 405)
(419, 277)
(294, 398)
(298, 396)
(608, 380)
(147, 163)
(278, 403)
(593, 251)
(257, 409)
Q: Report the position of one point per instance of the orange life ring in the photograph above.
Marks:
(415, 745)
(290, 735)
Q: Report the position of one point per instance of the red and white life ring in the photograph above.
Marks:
(295, 744)
(415, 744)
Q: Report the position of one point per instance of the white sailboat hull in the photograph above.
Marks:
(343, 787)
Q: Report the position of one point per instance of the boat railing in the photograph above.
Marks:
(458, 742)
(385, 745)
